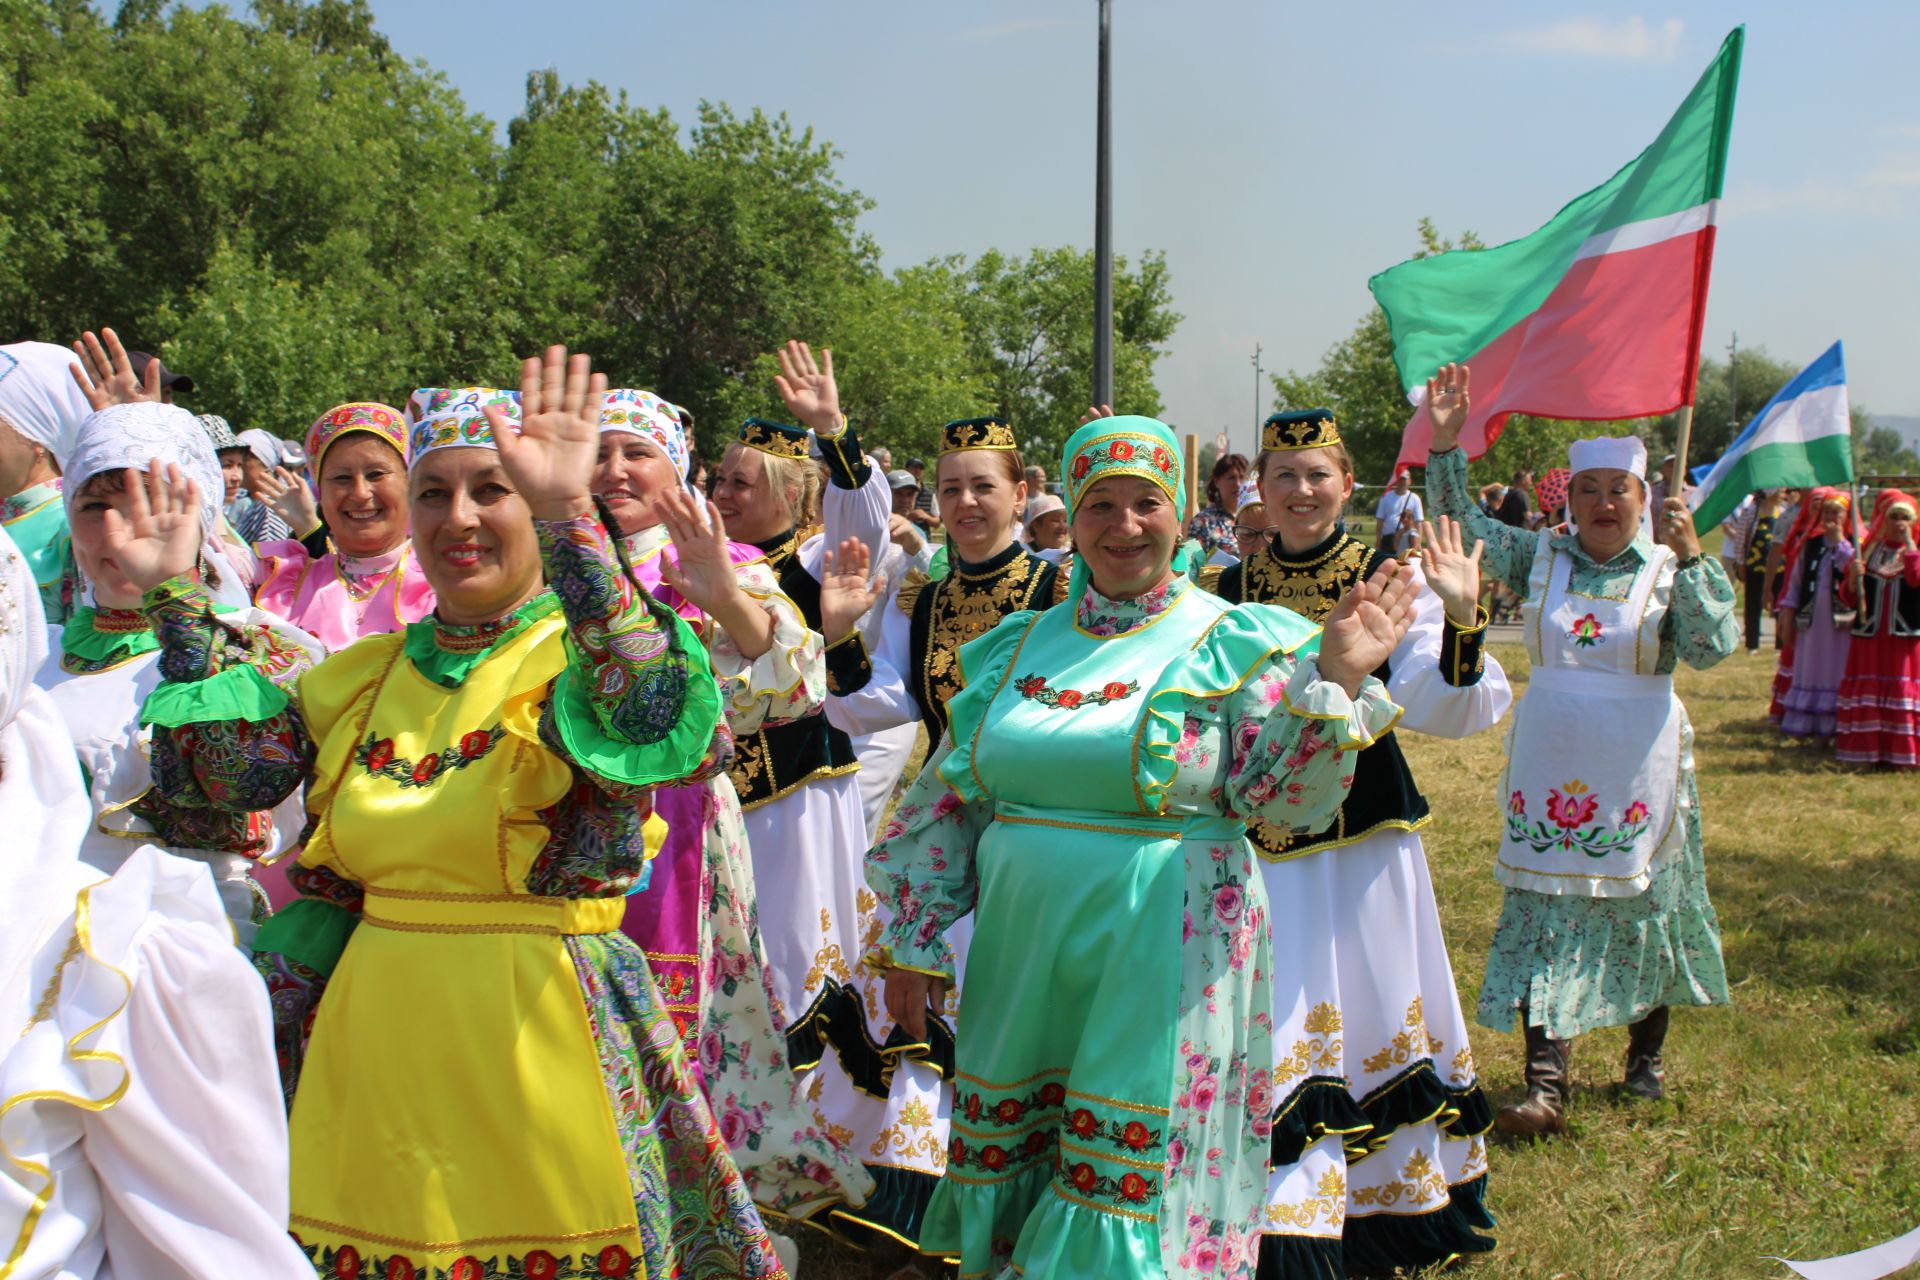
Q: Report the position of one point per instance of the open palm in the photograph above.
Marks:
(704, 573)
(1453, 573)
(846, 593)
(105, 373)
(1449, 400)
(1363, 629)
(159, 536)
(550, 457)
(808, 388)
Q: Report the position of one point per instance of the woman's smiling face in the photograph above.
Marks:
(473, 534)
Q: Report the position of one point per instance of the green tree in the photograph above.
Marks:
(1030, 334)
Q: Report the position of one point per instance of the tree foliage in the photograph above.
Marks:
(288, 209)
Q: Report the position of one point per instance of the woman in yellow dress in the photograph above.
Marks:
(491, 1086)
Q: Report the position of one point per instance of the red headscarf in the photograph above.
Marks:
(1881, 507)
(1806, 522)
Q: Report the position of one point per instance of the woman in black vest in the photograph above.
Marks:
(1378, 1156)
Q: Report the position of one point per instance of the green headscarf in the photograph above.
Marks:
(1128, 446)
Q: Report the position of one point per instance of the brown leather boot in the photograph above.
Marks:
(1544, 1109)
(1646, 1074)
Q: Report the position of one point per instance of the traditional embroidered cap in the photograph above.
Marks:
(644, 414)
(977, 433)
(1307, 429)
(371, 417)
(219, 430)
(776, 438)
(1609, 453)
(455, 418)
(1129, 446)
(1250, 495)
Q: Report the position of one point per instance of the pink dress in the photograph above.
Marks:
(340, 598)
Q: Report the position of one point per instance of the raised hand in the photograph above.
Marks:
(105, 374)
(1677, 529)
(1448, 402)
(810, 393)
(704, 574)
(287, 494)
(846, 593)
(1366, 625)
(1453, 574)
(1096, 411)
(550, 457)
(159, 538)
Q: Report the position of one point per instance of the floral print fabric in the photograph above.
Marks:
(1577, 963)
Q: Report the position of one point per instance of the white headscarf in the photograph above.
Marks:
(136, 435)
(644, 414)
(43, 803)
(260, 444)
(1609, 453)
(39, 397)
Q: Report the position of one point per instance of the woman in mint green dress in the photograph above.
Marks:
(1113, 1093)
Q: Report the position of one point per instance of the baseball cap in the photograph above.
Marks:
(902, 480)
(169, 380)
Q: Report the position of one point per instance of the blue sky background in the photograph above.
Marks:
(1282, 153)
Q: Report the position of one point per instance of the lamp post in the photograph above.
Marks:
(1103, 221)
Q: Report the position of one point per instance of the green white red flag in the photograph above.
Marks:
(1596, 315)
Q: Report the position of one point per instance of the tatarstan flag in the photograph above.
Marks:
(1596, 315)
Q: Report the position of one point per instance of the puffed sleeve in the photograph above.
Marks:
(1442, 678)
(1701, 621)
(785, 683)
(192, 1159)
(636, 706)
(923, 869)
(226, 733)
(857, 501)
(884, 701)
(1291, 733)
(1509, 553)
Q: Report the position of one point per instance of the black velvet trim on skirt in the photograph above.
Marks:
(836, 1019)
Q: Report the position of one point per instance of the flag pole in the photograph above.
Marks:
(1683, 437)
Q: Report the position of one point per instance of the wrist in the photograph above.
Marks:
(561, 510)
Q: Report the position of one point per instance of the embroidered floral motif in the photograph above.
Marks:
(1411, 1042)
(1330, 1204)
(1570, 808)
(1585, 632)
(1419, 1183)
(1321, 1053)
(1036, 689)
(347, 1263)
(1128, 1188)
(376, 753)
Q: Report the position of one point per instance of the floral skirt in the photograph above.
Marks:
(1111, 1110)
(1576, 963)
(696, 1216)
(1379, 1155)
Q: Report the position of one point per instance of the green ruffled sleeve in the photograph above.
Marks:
(238, 693)
(684, 696)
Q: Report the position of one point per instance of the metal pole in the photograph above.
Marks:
(1103, 221)
(1733, 389)
(1256, 396)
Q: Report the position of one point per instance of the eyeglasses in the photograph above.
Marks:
(1248, 531)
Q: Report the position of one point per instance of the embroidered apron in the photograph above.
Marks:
(1593, 761)
(1066, 1077)
(452, 1101)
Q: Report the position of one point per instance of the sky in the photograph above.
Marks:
(1280, 154)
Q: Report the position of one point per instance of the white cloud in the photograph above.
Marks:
(1896, 171)
(1629, 41)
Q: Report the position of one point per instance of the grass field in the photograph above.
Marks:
(1792, 1122)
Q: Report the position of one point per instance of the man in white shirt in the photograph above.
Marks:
(1398, 515)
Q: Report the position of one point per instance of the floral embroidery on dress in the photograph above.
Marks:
(1103, 618)
(376, 753)
(1585, 632)
(1570, 807)
(1036, 689)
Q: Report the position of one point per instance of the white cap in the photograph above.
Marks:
(1611, 453)
(1043, 505)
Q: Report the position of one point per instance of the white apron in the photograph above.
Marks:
(1593, 760)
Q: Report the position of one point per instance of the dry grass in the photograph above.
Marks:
(1792, 1124)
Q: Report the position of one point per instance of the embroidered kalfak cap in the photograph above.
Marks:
(977, 433)
(776, 438)
(1308, 429)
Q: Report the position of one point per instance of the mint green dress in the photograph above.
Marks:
(37, 520)
(1577, 963)
(1112, 1110)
